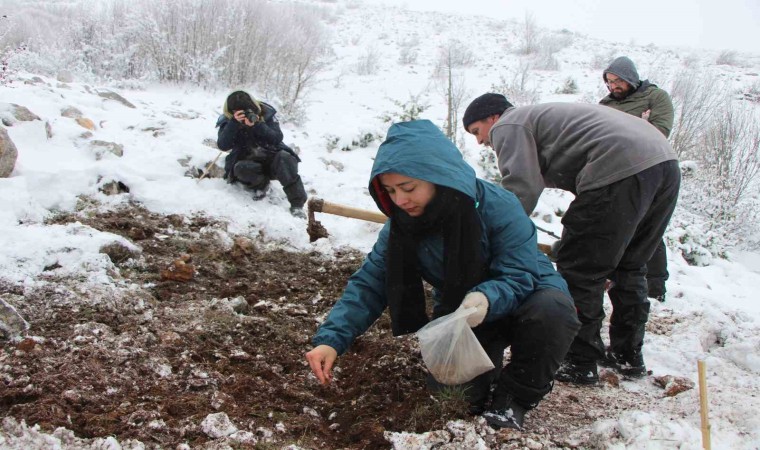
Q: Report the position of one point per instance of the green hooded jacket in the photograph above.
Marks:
(645, 96)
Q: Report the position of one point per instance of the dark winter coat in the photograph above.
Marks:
(516, 268)
(251, 143)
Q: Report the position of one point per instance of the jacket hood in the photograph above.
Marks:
(624, 68)
(418, 149)
(239, 95)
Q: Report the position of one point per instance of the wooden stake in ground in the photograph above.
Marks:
(209, 166)
(703, 405)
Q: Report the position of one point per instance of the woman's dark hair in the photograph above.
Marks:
(240, 100)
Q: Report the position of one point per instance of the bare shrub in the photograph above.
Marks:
(409, 50)
(452, 55)
(276, 47)
(568, 87)
(728, 58)
(752, 92)
(691, 60)
(545, 60)
(529, 35)
(601, 61)
(720, 187)
(696, 96)
(732, 151)
(516, 86)
(369, 62)
(451, 84)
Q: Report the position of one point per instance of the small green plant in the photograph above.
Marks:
(412, 109)
(332, 142)
(568, 87)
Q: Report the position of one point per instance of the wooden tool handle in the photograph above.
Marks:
(319, 205)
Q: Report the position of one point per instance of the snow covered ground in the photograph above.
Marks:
(712, 313)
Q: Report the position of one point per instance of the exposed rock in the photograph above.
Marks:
(194, 171)
(609, 377)
(8, 154)
(243, 247)
(331, 162)
(239, 305)
(185, 115)
(110, 95)
(114, 188)
(71, 112)
(48, 130)
(218, 425)
(118, 252)
(22, 113)
(180, 270)
(209, 142)
(12, 325)
(674, 385)
(101, 147)
(86, 123)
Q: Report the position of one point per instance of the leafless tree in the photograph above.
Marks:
(530, 35)
(451, 58)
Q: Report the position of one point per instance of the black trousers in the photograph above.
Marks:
(657, 271)
(280, 166)
(539, 334)
(611, 233)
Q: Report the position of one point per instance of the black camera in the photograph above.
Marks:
(251, 115)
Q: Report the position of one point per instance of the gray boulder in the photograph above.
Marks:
(100, 148)
(8, 154)
(110, 95)
(71, 112)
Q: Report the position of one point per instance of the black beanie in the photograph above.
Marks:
(485, 106)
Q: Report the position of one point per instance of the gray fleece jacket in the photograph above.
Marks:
(572, 146)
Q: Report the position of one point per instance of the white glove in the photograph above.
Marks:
(478, 301)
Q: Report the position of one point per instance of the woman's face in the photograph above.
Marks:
(409, 194)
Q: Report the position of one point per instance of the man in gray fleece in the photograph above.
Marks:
(625, 178)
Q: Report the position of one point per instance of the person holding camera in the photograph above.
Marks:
(249, 128)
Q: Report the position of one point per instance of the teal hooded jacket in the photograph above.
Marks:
(516, 268)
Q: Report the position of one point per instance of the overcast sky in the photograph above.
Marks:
(711, 24)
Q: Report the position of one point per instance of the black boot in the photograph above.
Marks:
(577, 372)
(631, 366)
(506, 413)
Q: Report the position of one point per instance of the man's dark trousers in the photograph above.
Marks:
(611, 233)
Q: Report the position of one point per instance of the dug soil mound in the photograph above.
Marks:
(201, 323)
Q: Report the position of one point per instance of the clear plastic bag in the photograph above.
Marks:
(450, 349)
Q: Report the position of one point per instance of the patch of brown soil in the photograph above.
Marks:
(150, 358)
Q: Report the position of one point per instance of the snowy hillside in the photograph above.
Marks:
(138, 163)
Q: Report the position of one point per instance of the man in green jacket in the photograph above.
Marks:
(642, 99)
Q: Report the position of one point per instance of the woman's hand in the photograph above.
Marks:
(321, 359)
(239, 115)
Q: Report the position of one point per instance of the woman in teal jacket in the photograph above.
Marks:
(471, 241)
